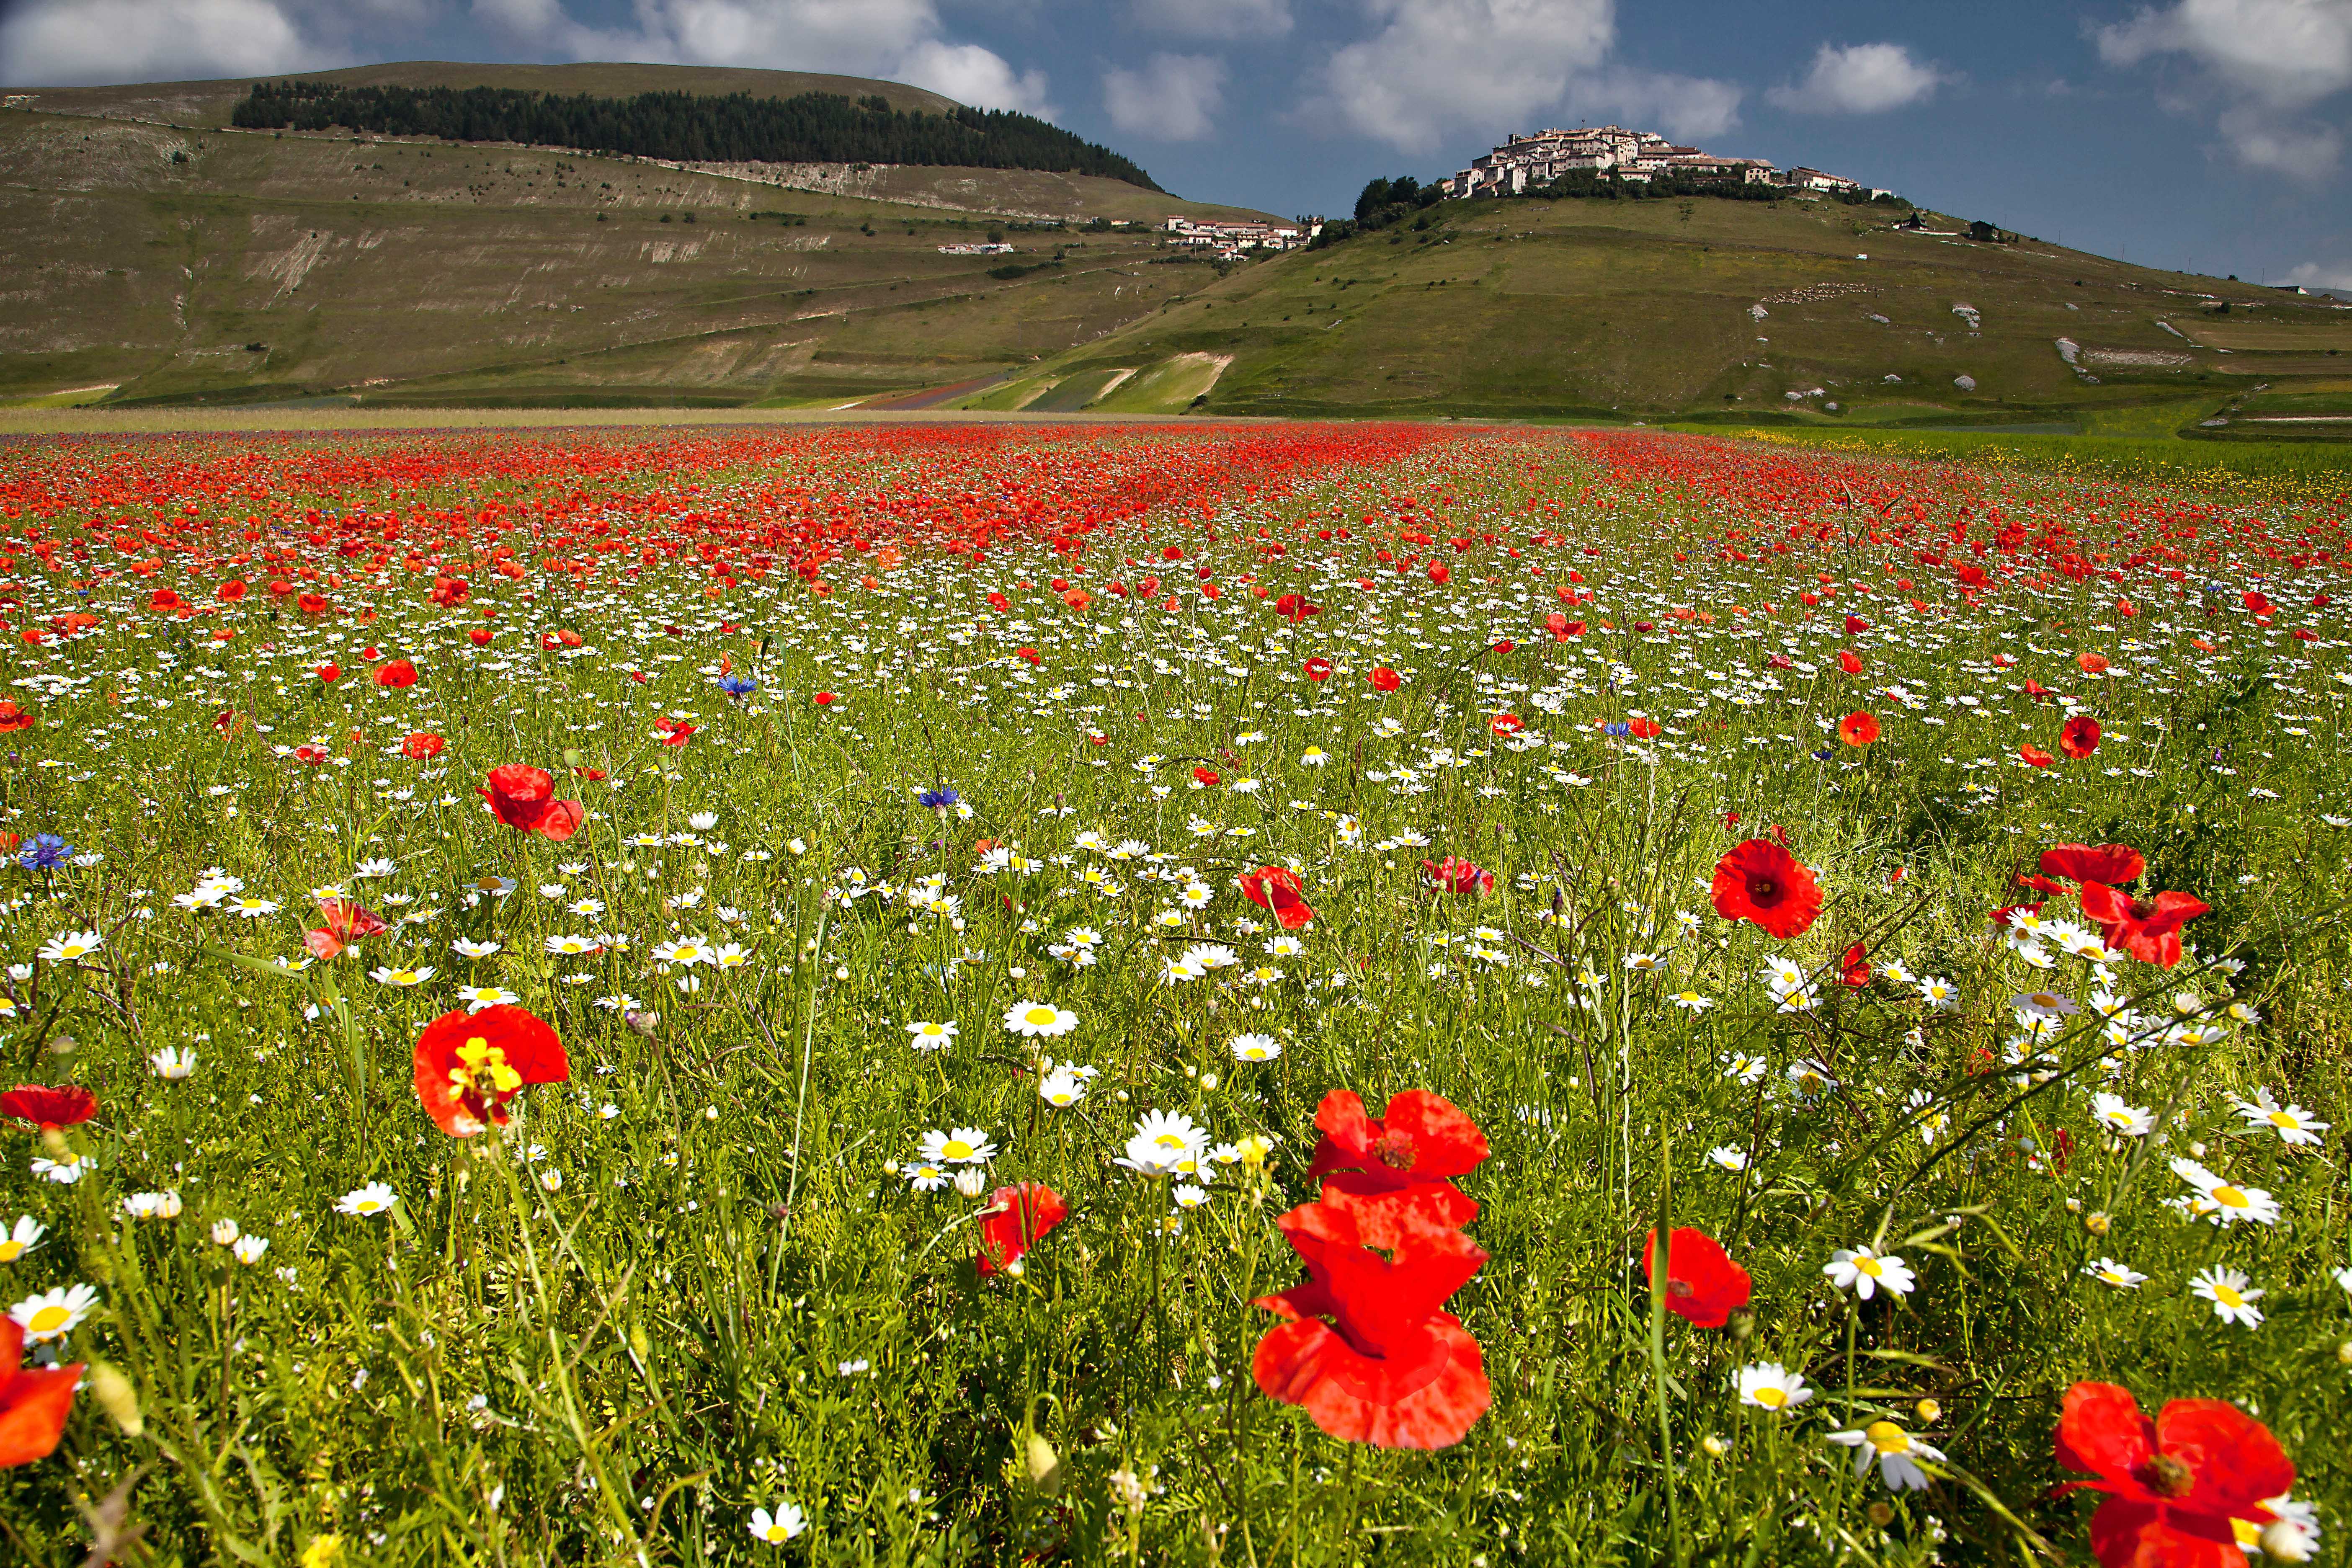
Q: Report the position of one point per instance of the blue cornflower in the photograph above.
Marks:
(939, 799)
(45, 852)
(738, 685)
(1823, 755)
(1618, 729)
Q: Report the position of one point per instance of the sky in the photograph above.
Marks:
(2207, 135)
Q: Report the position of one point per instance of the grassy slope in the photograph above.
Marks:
(402, 271)
(1630, 310)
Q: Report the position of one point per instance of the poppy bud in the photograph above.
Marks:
(116, 1397)
(1741, 1325)
(1043, 1464)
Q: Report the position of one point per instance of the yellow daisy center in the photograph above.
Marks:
(49, 1320)
(11, 1250)
(2282, 1119)
(1039, 1016)
(1869, 1266)
(1888, 1437)
(2230, 1197)
(1771, 1398)
(2228, 1297)
(776, 1533)
(956, 1149)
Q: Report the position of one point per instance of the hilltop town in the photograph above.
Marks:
(1633, 157)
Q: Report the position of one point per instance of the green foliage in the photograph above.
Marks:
(813, 126)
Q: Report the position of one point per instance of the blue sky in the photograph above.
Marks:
(2202, 134)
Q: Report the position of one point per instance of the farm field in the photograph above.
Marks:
(988, 993)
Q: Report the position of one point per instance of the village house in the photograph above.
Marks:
(1636, 157)
(1229, 240)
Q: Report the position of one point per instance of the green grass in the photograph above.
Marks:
(2302, 466)
(694, 1279)
(1632, 309)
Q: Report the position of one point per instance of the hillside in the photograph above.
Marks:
(206, 104)
(1620, 310)
(155, 261)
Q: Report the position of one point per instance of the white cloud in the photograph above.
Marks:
(1216, 18)
(2312, 274)
(970, 74)
(1174, 98)
(1859, 78)
(2286, 54)
(898, 40)
(66, 43)
(2304, 150)
(1433, 65)
(2267, 60)
(1688, 108)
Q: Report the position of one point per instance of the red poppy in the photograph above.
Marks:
(1423, 1138)
(343, 921)
(1390, 1368)
(1207, 778)
(825, 699)
(1759, 880)
(13, 718)
(1455, 875)
(1849, 661)
(423, 746)
(1317, 668)
(1506, 724)
(2114, 864)
(2092, 663)
(2149, 928)
(230, 592)
(33, 1399)
(1858, 728)
(330, 673)
(2080, 736)
(469, 1065)
(1277, 888)
(2174, 1485)
(2034, 756)
(671, 731)
(1023, 1215)
(1641, 729)
(1027, 654)
(45, 1107)
(1854, 968)
(313, 605)
(396, 673)
(310, 756)
(1294, 607)
(1855, 625)
(1383, 678)
(523, 797)
(479, 636)
(1702, 1285)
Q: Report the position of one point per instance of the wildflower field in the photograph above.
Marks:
(1249, 994)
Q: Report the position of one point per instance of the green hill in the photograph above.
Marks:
(155, 254)
(1649, 310)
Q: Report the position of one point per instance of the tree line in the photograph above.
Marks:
(691, 128)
